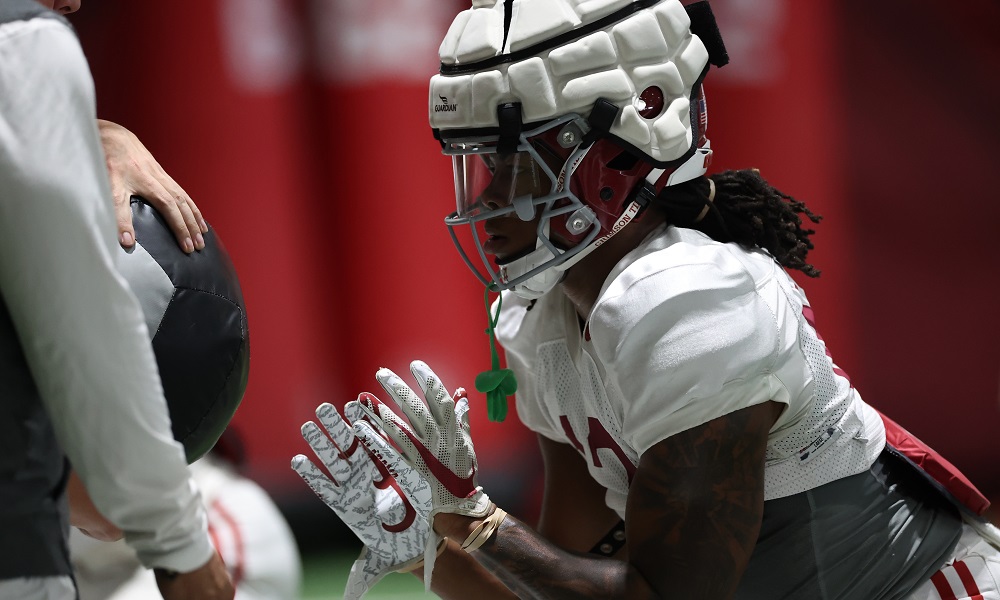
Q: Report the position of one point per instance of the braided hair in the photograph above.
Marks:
(746, 210)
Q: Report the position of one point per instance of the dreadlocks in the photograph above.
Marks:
(747, 210)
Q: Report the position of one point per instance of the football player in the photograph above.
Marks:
(698, 440)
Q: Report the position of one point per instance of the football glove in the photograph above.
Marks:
(436, 443)
(367, 496)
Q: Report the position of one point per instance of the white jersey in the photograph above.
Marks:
(246, 528)
(686, 330)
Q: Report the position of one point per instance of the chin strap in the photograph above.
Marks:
(496, 383)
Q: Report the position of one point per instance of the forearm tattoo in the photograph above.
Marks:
(534, 568)
(701, 495)
(694, 507)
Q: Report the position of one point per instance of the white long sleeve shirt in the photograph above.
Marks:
(247, 528)
(80, 326)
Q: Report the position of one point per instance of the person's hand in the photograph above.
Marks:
(436, 443)
(366, 496)
(134, 172)
(84, 515)
(208, 582)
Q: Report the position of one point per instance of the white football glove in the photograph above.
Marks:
(436, 443)
(393, 526)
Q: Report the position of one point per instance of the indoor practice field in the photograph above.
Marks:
(760, 333)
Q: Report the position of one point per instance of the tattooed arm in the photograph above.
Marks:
(574, 517)
(574, 514)
(457, 576)
(696, 504)
(695, 508)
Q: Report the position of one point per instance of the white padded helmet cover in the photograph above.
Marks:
(651, 47)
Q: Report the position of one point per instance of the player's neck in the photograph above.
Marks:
(584, 280)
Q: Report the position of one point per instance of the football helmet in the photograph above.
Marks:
(571, 114)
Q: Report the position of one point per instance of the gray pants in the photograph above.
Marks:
(874, 536)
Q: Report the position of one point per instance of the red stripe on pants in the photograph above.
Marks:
(968, 580)
(943, 587)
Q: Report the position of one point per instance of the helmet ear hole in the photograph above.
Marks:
(650, 102)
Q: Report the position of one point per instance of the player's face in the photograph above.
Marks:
(513, 176)
(62, 6)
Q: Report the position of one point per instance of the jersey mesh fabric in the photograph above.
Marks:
(830, 391)
(579, 392)
(835, 434)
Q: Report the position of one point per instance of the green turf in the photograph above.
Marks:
(325, 575)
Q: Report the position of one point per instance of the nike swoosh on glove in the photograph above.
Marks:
(436, 443)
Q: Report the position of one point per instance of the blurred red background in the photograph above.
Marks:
(300, 130)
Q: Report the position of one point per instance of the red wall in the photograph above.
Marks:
(776, 108)
(920, 159)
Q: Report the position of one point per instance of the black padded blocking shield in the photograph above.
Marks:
(202, 345)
